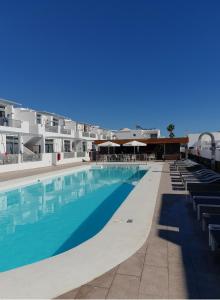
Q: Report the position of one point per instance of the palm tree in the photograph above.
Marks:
(170, 129)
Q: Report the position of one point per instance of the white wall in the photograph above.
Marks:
(25, 115)
(138, 134)
(2, 143)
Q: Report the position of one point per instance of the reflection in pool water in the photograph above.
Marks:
(52, 216)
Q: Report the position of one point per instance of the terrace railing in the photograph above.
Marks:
(92, 135)
(68, 155)
(85, 134)
(10, 122)
(80, 154)
(65, 130)
(31, 157)
(49, 128)
(6, 159)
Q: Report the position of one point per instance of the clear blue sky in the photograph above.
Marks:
(116, 63)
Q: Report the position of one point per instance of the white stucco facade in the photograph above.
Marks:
(127, 133)
(30, 138)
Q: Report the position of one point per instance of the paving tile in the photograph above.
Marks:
(146, 296)
(105, 280)
(69, 295)
(156, 255)
(154, 281)
(91, 292)
(133, 265)
(124, 287)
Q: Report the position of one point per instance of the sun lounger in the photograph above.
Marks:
(206, 193)
(207, 208)
(214, 237)
(205, 200)
(203, 187)
(208, 219)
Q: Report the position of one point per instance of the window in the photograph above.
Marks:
(153, 135)
(49, 146)
(2, 111)
(12, 144)
(84, 146)
(38, 118)
(134, 134)
(55, 122)
(66, 146)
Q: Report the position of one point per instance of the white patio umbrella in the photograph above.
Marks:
(134, 144)
(108, 144)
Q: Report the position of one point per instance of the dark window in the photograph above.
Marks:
(12, 144)
(153, 135)
(84, 146)
(38, 119)
(55, 122)
(134, 134)
(49, 146)
(66, 146)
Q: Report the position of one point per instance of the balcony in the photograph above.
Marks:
(85, 134)
(49, 128)
(10, 123)
(65, 130)
(93, 135)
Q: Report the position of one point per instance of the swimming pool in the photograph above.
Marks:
(50, 217)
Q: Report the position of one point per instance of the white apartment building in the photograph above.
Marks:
(127, 133)
(32, 139)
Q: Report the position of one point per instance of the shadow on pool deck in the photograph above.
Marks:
(188, 246)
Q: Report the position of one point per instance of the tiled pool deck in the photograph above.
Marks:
(175, 261)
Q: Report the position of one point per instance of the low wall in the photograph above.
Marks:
(45, 162)
(48, 159)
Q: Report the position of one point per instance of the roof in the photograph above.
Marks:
(52, 114)
(175, 140)
(125, 129)
(9, 102)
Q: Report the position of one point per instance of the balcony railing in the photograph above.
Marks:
(31, 157)
(85, 134)
(51, 128)
(92, 135)
(10, 122)
(8, 159)
(65, 131)
(80, 154)
(68, 155)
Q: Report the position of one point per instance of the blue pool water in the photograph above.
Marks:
(47, 218)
